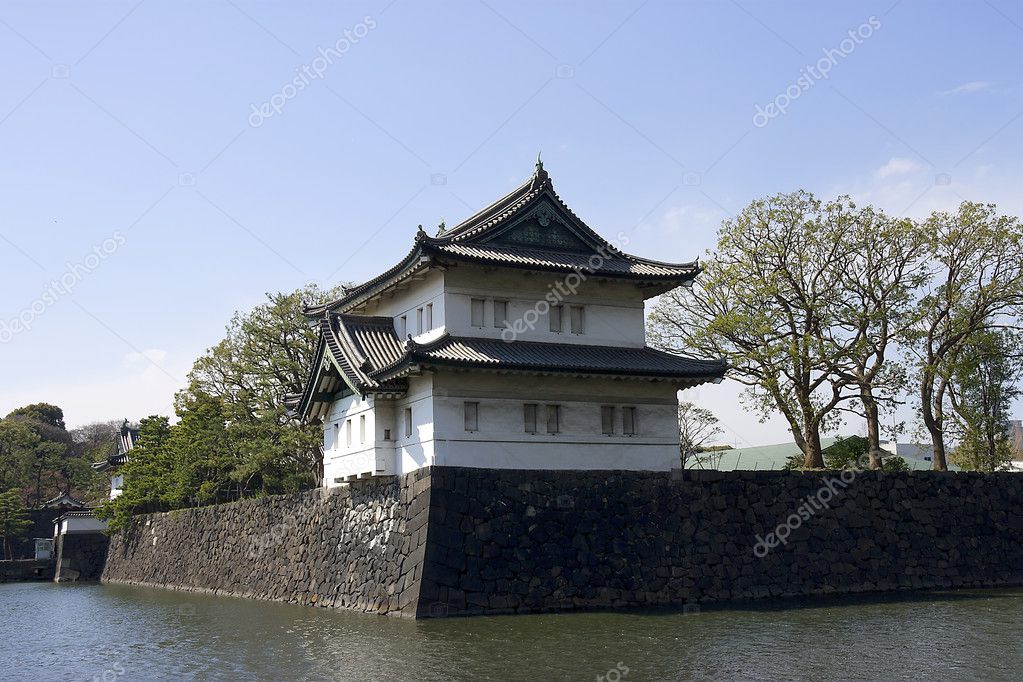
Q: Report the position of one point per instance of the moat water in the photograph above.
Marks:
(115, 633)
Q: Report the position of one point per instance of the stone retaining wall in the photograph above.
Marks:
(515, 541)
(360, 547)
(457, 541)
(26, 570)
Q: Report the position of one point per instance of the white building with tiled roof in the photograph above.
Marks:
(514, 340)
(124, 443)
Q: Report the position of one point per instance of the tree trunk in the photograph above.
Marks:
(931, 422)
(870, 411)
(812, 457)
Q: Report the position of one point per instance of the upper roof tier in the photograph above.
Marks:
(529, 228)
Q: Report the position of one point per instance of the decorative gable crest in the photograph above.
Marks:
(543, 227)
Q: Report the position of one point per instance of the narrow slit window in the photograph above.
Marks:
(529, 411)
(555, 318)
(607, 420)
(337, 436)
(429, 316)
(419, 321)
(629, 421)
(472, 416)
(578, 319)
(348, 433)
(501, 314)
(403, 327)
(387, 434)
(476, 312)
(408, 422)
(362, 428)
(553, 418)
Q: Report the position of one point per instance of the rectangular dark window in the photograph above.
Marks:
(403, 328)
(578, 317)
(500, 314)
(629, 421)
(476, 312)
(387, 434)
(337, 436)
(555, 317)
(607, 420)
(472, 416)
(348, 433)
(529, 417)
(429, 316)
(553, 418)
(362, 428)
(419, 321)
(408, 422)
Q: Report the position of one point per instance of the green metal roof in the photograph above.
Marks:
(773, 457)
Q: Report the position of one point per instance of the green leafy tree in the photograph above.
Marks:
(764, 302)
(149, 476)
(853, 452)
(977, 286)
(266, 355)
(697, 426)
(17, 445)
(51, 454)
(41, 413)
(13, 520)
(883, 267)
(983, 386)
(205, 458)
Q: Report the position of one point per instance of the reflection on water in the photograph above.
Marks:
(115, 633)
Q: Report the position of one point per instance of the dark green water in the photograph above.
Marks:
(113, 633)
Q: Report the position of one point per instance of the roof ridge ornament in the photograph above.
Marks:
(540, 176)
(421, 234)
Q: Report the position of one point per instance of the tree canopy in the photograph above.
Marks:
(823, 308)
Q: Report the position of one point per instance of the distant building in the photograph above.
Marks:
(774, 457)
(515, 339)
(756, 458)
(918, 456)
(124, 443)
(63, 502)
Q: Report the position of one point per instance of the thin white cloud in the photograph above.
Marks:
(688, 218)
(898, 165)
(966, 88)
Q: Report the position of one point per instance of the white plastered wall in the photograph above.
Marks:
(502, 442)
(614, 314)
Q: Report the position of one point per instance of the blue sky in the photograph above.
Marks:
(132, 169)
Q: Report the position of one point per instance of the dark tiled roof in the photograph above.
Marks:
(504, 207)
(558, 260)
(362, 345)
(564, 357)
(468, 241)
(63, 500)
